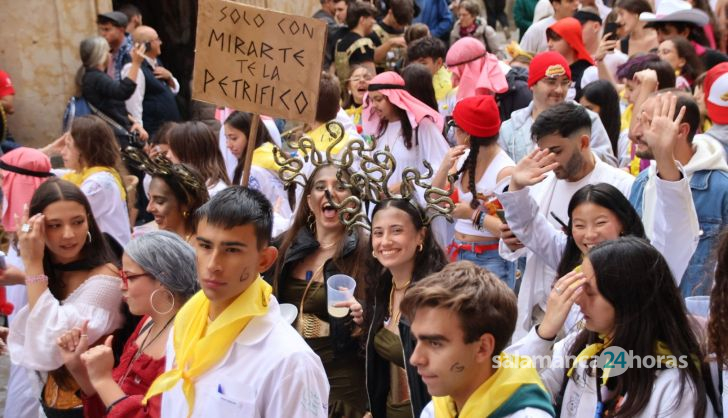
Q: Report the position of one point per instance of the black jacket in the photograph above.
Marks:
(159, 105)
(108, 95)
(378, 375)
(518, 94)
(302, 246)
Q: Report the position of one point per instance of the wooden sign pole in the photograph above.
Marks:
(250, 148)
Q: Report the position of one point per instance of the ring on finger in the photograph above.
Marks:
(26, 228)
(558, 290)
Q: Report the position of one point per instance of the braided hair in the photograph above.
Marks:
(472, 161)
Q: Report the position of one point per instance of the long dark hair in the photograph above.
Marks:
(642, 289)
(356, 266)
(471, 162)
(97, 144)
(430, 260)
(406, 127)
(418, 82)
(95, 252)
(718, 324)
(608, 197)
(242, 121)
(603, 93)
(195, 144)
(693, 66)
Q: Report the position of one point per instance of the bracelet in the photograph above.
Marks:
(113, 404)
(36, 279)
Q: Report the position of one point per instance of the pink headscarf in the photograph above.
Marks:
(475, 71)
(391, 84)
(19, 188)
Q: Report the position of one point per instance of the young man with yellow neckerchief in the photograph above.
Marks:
(232, 354)
(462, 318)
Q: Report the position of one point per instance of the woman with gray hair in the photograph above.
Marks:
(106, 94)
(158, 276)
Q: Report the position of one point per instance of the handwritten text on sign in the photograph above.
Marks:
(257, 60)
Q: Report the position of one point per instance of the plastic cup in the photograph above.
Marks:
(339, 288)
(698, 305)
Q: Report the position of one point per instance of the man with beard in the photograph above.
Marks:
(549, 79)
(564, 130)
(704, 165)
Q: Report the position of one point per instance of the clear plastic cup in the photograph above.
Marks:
(339, 288)
(698, 305)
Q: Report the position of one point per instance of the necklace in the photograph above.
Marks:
(143, 345)
(391, 299)
(326, 246)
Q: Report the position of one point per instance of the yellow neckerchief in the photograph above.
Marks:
(635, 163)
(514, 372)
(78, 178)
(322, 140)
(199, 346)
(592, 350)
(355, 113)
(263, 157)
(442, 82)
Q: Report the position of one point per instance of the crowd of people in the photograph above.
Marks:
(511, 216)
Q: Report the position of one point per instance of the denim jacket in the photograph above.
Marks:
(710, 195)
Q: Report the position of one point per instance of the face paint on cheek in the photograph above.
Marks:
(457, 368)
(245, 276)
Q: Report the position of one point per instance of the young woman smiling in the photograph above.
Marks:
(71, 277)
(354, 91)
(407, 253)
(315, 248)
(631, 305)
(158, 276)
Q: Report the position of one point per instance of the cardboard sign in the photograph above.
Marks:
(257, 60)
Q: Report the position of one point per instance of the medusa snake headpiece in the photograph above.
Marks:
(162, 166)
(366, 174)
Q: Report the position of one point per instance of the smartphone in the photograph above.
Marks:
(611, 29)
(147, 46)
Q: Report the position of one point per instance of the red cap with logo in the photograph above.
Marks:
(478, 116)
(716, 93)
(547, 64)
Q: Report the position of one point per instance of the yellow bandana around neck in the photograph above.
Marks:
(494, 392)
(355, 113)
(199, 346)
(442, 83)
(322, 140)
(78, 178)
(661, 352)
(263, 157)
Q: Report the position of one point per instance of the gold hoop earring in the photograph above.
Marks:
(374, 254)
(154, 308)
(89, 237)
(311, 222)
(420, 247)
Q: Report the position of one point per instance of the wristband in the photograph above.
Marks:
(36, 279)
(113, 404)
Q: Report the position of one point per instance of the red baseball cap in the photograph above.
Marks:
(716, 93)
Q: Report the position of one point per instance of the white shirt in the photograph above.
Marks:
(110, 211)
(269, 372)
(134, 103)
(231, 161)
(551, 195)
(432, 147)
(217, 187)
(580, 397)
(534, 40)
(33, 333)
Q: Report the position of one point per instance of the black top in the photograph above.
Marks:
(711, 58)
(358, 56)
(577, 71)
(108, 95)
(159, 104)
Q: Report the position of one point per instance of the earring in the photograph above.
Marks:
(185, 214)
(374, 254)
(420, 248)
(154, 308)
(311, 222)
(89, 237)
